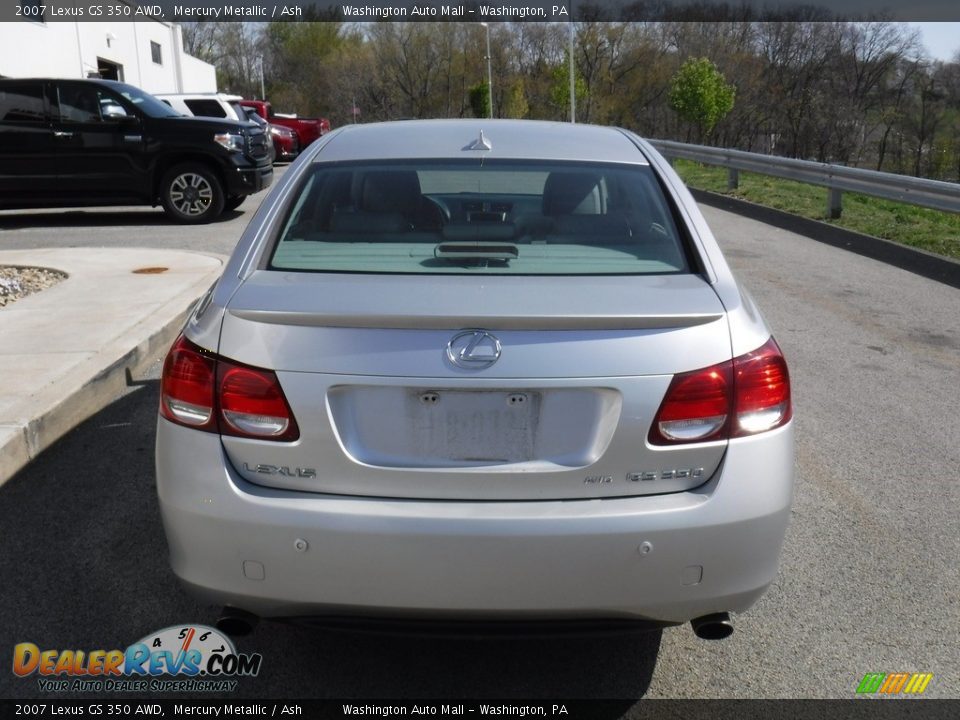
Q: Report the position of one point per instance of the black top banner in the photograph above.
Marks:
(476, 10)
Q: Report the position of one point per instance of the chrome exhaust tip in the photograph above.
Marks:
(716, 626)
(236, 622)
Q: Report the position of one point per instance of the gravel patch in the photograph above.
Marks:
(18, 282)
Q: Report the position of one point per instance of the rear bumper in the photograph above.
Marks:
(665, 558)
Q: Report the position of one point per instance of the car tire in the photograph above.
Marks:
(192, 193)
(233, 202)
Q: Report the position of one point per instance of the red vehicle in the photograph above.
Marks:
(307, 129)
(286, 144)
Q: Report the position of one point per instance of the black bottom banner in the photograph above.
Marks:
(560, 709)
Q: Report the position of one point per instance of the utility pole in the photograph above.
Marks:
(573, 84)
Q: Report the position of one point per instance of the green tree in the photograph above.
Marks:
(515, 103)
(299, 67)
(560, 88)
(480, 99)
(701, 95)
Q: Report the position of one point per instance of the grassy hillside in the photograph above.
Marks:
(931, 230)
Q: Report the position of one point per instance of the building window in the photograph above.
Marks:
(109, 70)
(156, 52)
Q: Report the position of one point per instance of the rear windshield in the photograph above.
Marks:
(480, 218)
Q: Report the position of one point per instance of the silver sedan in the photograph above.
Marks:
(477, 371)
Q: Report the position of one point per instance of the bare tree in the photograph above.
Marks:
(807, 86)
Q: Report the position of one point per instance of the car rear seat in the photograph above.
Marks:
(387, 201)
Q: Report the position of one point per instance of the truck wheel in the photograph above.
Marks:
(191, 193)
(233, 202)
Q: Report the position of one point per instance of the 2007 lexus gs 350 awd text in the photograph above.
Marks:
(477, 371)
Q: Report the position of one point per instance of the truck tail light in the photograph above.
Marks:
(200, 390)
(744, 396)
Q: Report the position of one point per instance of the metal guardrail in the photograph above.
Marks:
(836, 178)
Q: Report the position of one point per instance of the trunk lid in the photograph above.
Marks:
(563, 412)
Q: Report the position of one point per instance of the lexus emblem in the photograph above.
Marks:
(473, 349)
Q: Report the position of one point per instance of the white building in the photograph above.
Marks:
(146, 53)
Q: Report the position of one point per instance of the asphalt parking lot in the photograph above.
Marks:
(868, 576)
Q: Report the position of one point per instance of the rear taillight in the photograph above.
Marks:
(252, 403)
(205, 392)
(747, 395)
(186, 388)
(762, 390)
(696, 407)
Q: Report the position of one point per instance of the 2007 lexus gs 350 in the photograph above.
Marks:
(477, 371)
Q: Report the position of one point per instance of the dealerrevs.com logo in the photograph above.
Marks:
(181, 658)
(894, 683)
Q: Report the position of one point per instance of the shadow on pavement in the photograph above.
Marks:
(84, 566)
(10, 220)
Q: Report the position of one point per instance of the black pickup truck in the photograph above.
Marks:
(72, 143)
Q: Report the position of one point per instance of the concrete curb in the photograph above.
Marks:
(921, 262)
(61, 403)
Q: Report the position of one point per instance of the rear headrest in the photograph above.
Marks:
(390, 191)
(572, 193)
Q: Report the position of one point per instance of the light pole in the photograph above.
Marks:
(489, 72)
